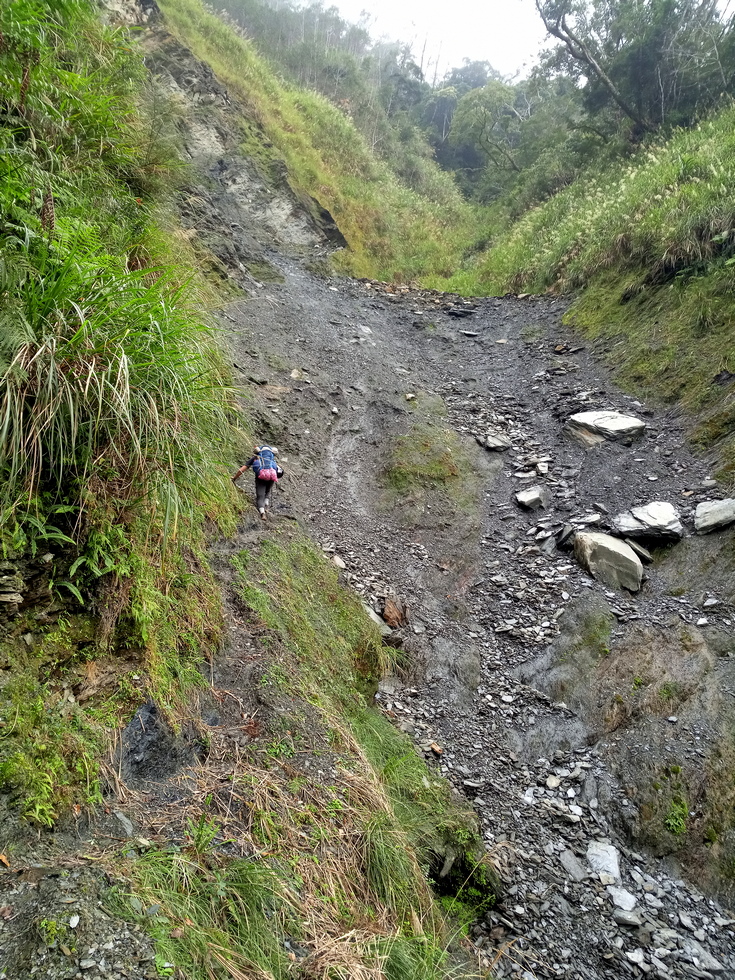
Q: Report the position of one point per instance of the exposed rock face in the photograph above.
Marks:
(137, 12)
(592, 428)
(609, 560)
(658, 521)
(23, 581)
(714, 514)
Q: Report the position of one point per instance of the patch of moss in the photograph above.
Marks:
(591, 640)
(430, 467)
(264, 272)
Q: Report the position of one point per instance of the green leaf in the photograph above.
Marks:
(65, 583)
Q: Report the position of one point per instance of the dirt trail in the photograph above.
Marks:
(551, 696)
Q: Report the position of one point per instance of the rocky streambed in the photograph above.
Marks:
(590, 724)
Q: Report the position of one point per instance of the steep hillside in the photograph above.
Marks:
(392, 232)
(398, 729)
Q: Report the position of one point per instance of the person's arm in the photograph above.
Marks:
(245, 466)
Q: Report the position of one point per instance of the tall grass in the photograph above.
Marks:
(110, 386)
(669, 210)
(216, 917)
(115, 418)
(393, 232)
(106, 378)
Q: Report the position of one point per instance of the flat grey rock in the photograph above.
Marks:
(714, 514)
(621, 898)
(125, 822)
(592, 428)
(630, 919)
(658, 521)
(572, 865)
(609, 560)
(698, 955)
(495, 443)
(643, 553)
(604, 858)
(532, 498)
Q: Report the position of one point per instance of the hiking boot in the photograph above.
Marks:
(262, 513)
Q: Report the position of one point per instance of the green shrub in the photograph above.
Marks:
(675, 820)
(115, 415)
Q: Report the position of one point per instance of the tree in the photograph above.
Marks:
(489, 120)
(472, 74)
(658, 62)
(566, 20)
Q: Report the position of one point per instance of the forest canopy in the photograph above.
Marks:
(613, 75)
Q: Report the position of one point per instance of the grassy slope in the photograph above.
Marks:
(393, 232)
(111, 386)
(649, 248)
(319, 831)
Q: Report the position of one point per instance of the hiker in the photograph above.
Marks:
(267, 471)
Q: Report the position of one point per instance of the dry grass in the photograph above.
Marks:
(311, 799)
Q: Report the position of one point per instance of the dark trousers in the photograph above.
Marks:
(263, 492)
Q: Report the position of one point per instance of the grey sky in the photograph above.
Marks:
(507, 33)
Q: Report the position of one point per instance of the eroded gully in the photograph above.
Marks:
(525, 685)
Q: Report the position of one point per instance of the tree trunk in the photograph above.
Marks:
(580, 52)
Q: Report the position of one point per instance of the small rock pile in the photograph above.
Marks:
(76, 935)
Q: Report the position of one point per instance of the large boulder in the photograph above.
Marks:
(714, 514)
(658, 521)
(592, 428)
(609, 560)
